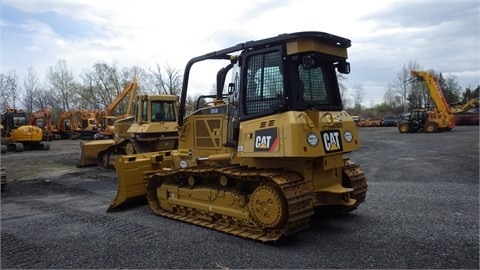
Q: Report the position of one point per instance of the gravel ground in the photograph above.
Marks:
(422, 211)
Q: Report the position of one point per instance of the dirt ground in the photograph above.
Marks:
(62, 158)
(421, 211)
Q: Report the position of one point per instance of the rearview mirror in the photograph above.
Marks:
(343, 67)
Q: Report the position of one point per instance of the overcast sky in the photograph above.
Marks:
(439, 35)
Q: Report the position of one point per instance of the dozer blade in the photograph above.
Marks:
(90, 150)
(133, 172)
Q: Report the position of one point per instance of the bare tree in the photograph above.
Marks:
(389, 97)
(128, 74)
(87, 90)
(167, 81)
(420, 96)
(31, 87)
(104, 83)
(63, 84)
(358, 96)
(143, 87)
(100, 86)
(451, 88)
(393, 99)
(108, 83)
(9, 89)
(44, 99)
(402, 85)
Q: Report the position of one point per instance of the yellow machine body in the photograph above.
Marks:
(17, 134)
(262, 159)
(153, 128)
(437, 119)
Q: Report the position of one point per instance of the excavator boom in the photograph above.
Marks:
(106, 118)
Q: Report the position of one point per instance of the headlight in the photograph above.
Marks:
(312, 139)
(347, 135)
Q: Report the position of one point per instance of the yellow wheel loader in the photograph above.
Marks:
(154, 128)
(259, 163)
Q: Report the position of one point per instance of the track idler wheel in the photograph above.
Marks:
(268, 207)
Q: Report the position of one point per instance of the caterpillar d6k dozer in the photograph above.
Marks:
(261, 162)
(154, 128)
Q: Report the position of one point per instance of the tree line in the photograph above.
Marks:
(404, 93)
(98, 86)
(94, 89)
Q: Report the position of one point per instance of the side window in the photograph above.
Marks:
(313, 84)
(265, 84)
(169, 109)
(144, 110)
(19, 120)
(157, 112)
(414, 116)
(163, 111)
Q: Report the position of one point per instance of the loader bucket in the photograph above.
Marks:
(133, 172)
(90, 150)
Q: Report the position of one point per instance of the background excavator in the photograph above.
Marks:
(17, 134)
(43, 120)
(154, 128)
(76, 124)
(66, 127)
(437, 119)
(88, 126)
(107, 118)
(261, 162)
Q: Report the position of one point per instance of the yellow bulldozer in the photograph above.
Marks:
(260, 162)
(154, 128)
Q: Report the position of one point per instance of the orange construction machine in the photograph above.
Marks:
(439, 118)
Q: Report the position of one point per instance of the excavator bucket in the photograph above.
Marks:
(90, 150)
(133, 172)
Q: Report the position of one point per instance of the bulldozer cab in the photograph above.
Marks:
(311, 83)
(284, 73)
(151, 109)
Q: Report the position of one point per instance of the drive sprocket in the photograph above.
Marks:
(267, 207)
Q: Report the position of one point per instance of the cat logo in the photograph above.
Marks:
(331, 141)
(266, 140)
